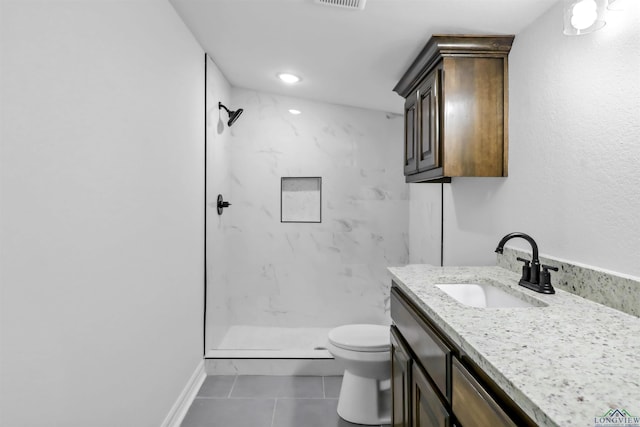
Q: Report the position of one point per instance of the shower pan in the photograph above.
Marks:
(245, 341)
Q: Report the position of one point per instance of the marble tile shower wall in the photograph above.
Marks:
(306, 274)
(604, 287)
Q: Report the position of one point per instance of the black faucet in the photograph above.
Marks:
(532, 278)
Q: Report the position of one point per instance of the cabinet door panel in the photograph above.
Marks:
(410, 134)
(400, 382)
(429, 122)
(476, 119)
(473, 406)
(428, 410)
(430, 351)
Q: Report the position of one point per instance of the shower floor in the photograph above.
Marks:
(242, 341)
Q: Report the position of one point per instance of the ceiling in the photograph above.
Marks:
(348, 57)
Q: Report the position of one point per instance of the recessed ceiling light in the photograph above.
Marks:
(295, 112)
(288, 78)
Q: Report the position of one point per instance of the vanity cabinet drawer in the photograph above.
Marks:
(473, 406)
(430, 351)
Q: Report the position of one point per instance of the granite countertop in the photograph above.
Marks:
(564, 364)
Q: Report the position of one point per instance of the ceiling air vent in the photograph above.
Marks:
(347, 4)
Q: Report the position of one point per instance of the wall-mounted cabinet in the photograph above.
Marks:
(456, 108)
(434, 384)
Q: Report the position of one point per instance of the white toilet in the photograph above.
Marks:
(365, 353)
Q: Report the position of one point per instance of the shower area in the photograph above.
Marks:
(318, 210)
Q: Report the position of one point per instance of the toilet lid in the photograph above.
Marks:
(361, 337)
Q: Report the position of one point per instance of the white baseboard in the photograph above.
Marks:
(181, 406)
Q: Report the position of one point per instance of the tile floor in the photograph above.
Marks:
(266, 401)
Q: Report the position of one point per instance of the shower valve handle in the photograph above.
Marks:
(222, 204)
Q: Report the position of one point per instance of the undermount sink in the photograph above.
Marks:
(484, 296)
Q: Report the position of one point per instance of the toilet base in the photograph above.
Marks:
(365, 400)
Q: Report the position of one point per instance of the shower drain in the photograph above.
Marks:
(347, 4)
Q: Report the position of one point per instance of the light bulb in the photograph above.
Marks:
(584, 14)
(289, 78)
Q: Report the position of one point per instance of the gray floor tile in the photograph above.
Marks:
(217, 386)
(230, 413)
(255, 386)
(332, 387)
(309, 413)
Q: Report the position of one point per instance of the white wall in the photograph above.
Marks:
(218, 182)
(307, 275)
(573, 155)
(425, 228)
(101, 212)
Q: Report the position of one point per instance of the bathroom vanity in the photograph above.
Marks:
(433, 379)
(547, 362)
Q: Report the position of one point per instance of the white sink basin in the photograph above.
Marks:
(484, 296)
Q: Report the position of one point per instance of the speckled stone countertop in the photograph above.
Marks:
(564, 364)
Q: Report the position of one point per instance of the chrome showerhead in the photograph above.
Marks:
(233, 115)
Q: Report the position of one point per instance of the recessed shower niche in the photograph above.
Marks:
(301, 199)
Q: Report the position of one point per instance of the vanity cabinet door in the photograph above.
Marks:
(430, 351)
(428, 410)
(410, 134)
(400, 381)
(472, 404)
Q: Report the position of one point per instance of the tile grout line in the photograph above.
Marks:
(273, 414)
(232, 386)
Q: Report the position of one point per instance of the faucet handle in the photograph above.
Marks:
(545, 279)
(526, 269)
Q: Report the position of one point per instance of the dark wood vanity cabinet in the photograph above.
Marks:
(434, 384)
(456, 105)
(472, 403)
(416, 402)
(401, 377)
(427, 409)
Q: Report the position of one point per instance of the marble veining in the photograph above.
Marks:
(563, 364)
(604, 287)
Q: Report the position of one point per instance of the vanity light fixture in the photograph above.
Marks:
(289, 78)
(295, 112)
(583, 16)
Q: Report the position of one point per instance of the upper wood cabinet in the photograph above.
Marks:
(410, 134)
(456, 108)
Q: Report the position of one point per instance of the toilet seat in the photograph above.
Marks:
(363, 338)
